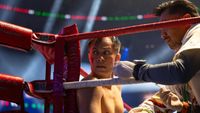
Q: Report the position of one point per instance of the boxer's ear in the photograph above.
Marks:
(118, 57)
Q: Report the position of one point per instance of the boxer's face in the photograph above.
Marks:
(102, 57)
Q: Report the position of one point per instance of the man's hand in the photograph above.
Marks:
(124, 69)
(170, 100)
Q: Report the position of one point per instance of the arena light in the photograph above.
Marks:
(75, 17)
(90, 22)
(51, 20)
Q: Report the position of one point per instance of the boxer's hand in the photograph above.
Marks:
(124, 69)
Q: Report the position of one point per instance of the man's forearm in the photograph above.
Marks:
(166, 73)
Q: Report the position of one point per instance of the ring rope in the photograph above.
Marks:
(99, 82)
(131, 29)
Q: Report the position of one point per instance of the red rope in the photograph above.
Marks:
(128, 108)
(132, 29)
(83, 72)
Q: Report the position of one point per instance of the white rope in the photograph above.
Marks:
(99, 82)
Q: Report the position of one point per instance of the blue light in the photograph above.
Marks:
(124, 54)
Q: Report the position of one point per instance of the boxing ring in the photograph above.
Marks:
(63, 50)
